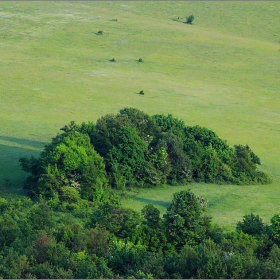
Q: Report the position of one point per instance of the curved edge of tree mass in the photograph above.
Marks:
(134, 149)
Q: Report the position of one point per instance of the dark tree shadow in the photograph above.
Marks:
(11, 176)
(151, 201)
(25, 142)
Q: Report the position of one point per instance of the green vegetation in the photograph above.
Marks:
(77, 178)
(189, 19)
(66, 166)
(133, 149)
(220, 73)
(43, 239)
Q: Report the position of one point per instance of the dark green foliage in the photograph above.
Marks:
(245, 166)
(275, 228)
(239, 242)
(133, 149)
(243, 259)
(213, 231)
(40, 216)
(90, 267)
(153, 239)
(117, 220)
(126, 140)
(189, 19)
(170, 124)
(109, 125)
(143, 123)
(127, 158)
(270, 268)
(14, 265)
(157, 166)
(181, 171)
(206, 261)
(233, 258)
(114, 242)
(151, 232)
(208, 138)
(251, 224)
(78, 229)
(9, 230)
(69, 161)
(68, 233)
(183, 220)
(126, 258)
(38, 249)
(151, 215)
(47, 271)
(97, 241)
(154, 266)
(98, 141)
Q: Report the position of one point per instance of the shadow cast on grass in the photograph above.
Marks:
(25, 142)
(11, 176)
(151, 201)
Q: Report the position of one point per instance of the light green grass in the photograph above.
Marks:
(222, 72)
(227, 204)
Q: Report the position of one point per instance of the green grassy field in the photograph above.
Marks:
(222, 72)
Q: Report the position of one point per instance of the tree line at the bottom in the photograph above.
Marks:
(50, 239)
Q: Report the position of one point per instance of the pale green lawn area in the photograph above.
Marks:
(227, 204)
(222, 72)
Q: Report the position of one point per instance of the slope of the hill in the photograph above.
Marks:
(221, 73)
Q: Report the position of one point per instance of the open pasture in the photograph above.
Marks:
(222, 72)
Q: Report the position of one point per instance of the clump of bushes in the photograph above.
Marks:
(190, 19)
(133, 149)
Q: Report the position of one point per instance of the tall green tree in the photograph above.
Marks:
(251, 224)
(183, 220)
(69, 160)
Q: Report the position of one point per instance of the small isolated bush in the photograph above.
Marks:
(189, 19)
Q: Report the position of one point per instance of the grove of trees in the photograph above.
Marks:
(133, 149)
(49, 239)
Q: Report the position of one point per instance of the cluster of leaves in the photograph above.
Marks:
(133, 149)
(69, 167)
(149, 150)
(110, 241)
(143, 150)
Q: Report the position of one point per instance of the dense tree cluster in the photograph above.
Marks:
(44, 239)
(133, 149)
(75, 226)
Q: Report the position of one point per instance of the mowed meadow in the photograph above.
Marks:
(222, 73)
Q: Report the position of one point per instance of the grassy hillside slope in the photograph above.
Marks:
(222, 72)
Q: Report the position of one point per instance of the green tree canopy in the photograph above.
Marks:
(133, 149)
(69, 160)
(184, 220)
